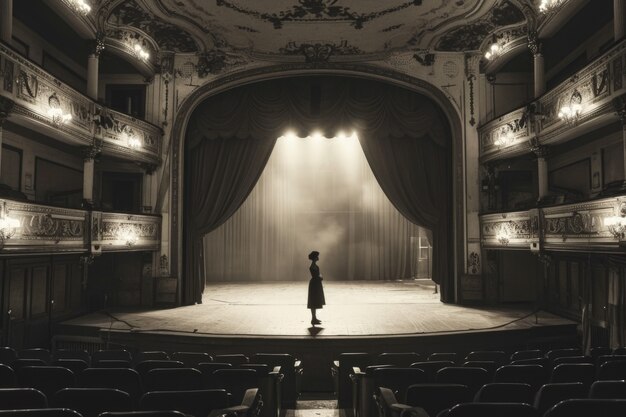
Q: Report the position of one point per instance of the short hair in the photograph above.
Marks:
(313, 255)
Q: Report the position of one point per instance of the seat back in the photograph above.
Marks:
(534, 375)
(36, 353)
(612, 371)
(159, 413)
(526, 354)
(573, 372)
(291, 380)
(545, 362)
(111, 355)
(505, 392)
(385, 398)
(472, 378)
(22, 398)
(572, 359)
(236, 381)
(550, 394)
(172, 379)
(82, 355)
(608, 390)
(123, 379)
(208, 370)
(598, 351)
(191, 359)
(431, 368)
(559, 353)
(111, 363)
(401, 360)
(7, 377)
(74, 365)
(47, 379)
(40, 412)
(437, 397)
(7, 355)
(619, 350)
(20, 363)
(150, 355)
(235, 359)
(492, 410)
(399, 379)
(90, 402)
(587, 408)
(146, 366)
(442, 356)
(198, 403)
(489, 366)
(497, 356)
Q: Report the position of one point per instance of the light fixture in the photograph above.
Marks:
(127, 234)
(504, 136)
(571, 112)
(80, 6)
(58, 116)
(504, 234)
(140, 52)
(8, 225)
(617, 224)
(493, 51)
(547, 5)
(131, 139)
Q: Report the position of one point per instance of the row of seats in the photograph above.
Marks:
(435, 398)
(271, 369)
(92, 402)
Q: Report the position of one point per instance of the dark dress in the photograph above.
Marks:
(316, 291)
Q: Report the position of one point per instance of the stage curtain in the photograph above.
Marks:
(264, 111)
(415, 175)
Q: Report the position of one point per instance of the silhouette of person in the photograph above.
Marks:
(316, 291)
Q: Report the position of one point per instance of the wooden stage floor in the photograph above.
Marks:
(354, 309)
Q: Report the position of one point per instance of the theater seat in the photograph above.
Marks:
(588, 408)
(7, 355)
(431, 368)
(442, 356)
(20, 363)
(472, 378)
(7, 377)
(235, 359)
(526, 354)
(388, 405)
(160, 413)
(492, 410)
(196, 403)
(488, 366)
(608, 390)
(41, 412)
(151, 355)
(341, 370)
(191, 359)
(573, 372)
(36, 353)
(534, 375)
(398, 379)
(208, 370)
(290, 368)
(123, 379)
(111, 355)
(434, 398)
(82, 355)
(236, 381)
(401, 360)
(22, 398)
(90, 402)
(47, 379)
(171, 379)
(612, 371)
(550, 394)
(74, 365)
(497, 356)
(503, 392)
(560, 353)
(146, 366)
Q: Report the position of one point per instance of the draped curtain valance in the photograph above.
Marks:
(230, 137)
(330, 105)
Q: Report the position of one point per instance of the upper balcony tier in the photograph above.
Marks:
(593, 96)
(45, 104)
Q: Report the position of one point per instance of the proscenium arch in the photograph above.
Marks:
(231, 81)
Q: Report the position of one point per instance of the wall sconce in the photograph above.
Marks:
(80, 6)
(617, 224)
(140, 52)
(547, 5)
(570, 113)
(8, 225)
(504, 136)
(127, 234)
(58, 116)
(131, 139)
(504, 234)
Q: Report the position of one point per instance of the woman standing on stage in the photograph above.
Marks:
(316, 291)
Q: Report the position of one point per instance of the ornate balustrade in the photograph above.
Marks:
(587, 97)
(588, 226)
(34, 228)
(45, 103)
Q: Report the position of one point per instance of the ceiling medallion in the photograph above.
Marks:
(317, 11)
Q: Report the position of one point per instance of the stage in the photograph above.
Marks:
(369, 316)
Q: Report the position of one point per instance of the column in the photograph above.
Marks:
(542, 170)
(6, 22)
(6, 106)
(147, 187)
(619, 6)
(97, 47)
(89, 155)
(539, 71)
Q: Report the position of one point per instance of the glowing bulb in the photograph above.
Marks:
(341, 136)
(317, 136)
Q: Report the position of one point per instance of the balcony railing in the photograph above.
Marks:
(35, 228)
(41, 101)
(591, 91)
(568, 227)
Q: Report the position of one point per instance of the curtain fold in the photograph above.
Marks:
(230, 137)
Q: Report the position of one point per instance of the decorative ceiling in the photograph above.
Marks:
(287, 27)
